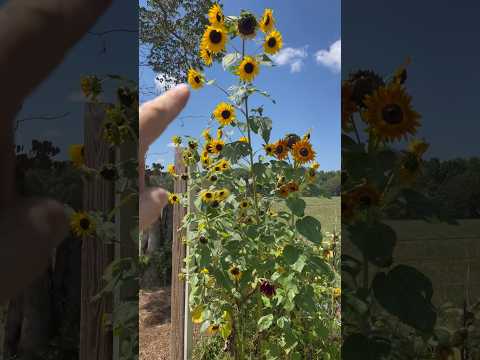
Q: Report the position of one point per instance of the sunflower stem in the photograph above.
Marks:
(249, 134)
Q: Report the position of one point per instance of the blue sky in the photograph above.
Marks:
(305, 84)
(115, 53)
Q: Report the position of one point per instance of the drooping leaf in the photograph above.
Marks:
(297, 206)
(406, 293)
(310, 228)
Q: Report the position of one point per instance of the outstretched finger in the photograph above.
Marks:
(155, 115)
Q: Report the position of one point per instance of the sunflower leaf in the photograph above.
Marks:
(310, 228)
(230, 59)
(235, 151)
(265, 322)
(297, 206)
(262, 124)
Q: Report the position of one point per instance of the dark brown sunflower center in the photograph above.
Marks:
(197, 79)
(85, 224)
(219, 17)
(174, 198)
(235, 271)
(213, 178)
(279, 149)
(215, 203)
(247, 25)
(225, 114)
(272, 42)
(215, 36)
(219, 147)
(208, 195)
(267, 20)
(392, 114)
(304, 152)
(248, 67)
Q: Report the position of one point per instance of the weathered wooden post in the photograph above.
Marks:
(125, 246)
(179, 302)
(96, 341)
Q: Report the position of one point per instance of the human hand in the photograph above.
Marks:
(34, 37)
(154, 117)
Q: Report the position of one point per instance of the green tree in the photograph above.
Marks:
(169, 31)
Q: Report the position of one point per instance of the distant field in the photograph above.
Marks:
(327, 211)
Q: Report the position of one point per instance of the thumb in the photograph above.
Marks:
(30, 232)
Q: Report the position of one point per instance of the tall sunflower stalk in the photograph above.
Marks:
(259, 280)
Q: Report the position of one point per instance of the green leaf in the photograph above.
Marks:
(230, 59)
(210, 82)
(406, 293)
(310, 228)
(291, 254)
(300, 263)
(377, 241)
(261, 124)
(235, 151)
(265, 322)
(297, 206)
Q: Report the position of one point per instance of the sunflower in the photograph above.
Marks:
(192, 144)
(195, 79)
(267, 22)
(364, 82)
(197, 314)
(315, 165)
(82, 224)
(349, 107)
(243, 139)
(224, 113)
(418, 147)
(235, 273)
(217, 146)
(327, 254)
(269, 149)
(206, 161)
(209, 147)
(213, 178)
(336, 292)
(206, 134)
(291, 140)
(244, 204)
(389, 113)
(206, 196)
(365, 196)
(171, 169)
(224, 164)
(273, 42)
(221, 194)
(77, 154)
(247, 26)
(311, 174)
(410, 167)
(292, 186)
(213, 329)
(280, 149)
(206, 56)
(284, 191)
(248, 69)
(176, 140)
(214, 39)
(215, 15)
(173, 198)
(302, 152)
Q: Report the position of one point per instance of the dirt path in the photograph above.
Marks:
(154, 324)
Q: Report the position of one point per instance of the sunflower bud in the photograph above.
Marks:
(267, 288)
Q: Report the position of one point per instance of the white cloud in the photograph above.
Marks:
(331, 58)
(164, 82)
(292, 56)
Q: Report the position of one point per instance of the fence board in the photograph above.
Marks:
(178, 335)
(96, 341)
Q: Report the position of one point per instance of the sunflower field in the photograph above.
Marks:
(263, 279)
